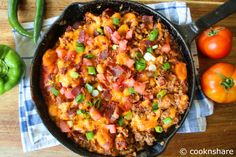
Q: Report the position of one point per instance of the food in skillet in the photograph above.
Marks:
(114, 82)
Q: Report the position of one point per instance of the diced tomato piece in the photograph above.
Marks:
(95, 114)
(64, 126)
(165, 48)
(111, 128)
(139, 87)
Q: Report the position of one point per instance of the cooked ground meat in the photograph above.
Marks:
(114, 82)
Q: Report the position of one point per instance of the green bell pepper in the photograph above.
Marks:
(12, 68)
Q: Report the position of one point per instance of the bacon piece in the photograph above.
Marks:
(116, 114)
(117, 70)
(108, 31)
(115, 37)
(115, 86)
(106, 95)
(68, 94)
(95, 114)
(70, 55)
(81, 36)
(75, 91)
(129, 82)
(64, 126)
(89, 41)
(87, 62)
(84, 38)
(166, 48)
(139, 87)
(129, 63)
(123, 45)
(101, 77)
(104, 54)
(111, 128)
(62, 90)
(129, 34)
(148, 21)
(107, 109)
(61, 53)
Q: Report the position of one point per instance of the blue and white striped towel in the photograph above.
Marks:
(35, 136)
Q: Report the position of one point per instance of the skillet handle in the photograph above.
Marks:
(190, 31)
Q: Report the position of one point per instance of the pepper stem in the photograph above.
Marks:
(3, 68)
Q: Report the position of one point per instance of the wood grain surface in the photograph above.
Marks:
(221, 126)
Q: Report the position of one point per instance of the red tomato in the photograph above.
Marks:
(215, 42)
(219, 83)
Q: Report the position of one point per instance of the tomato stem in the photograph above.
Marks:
(227, 82)
(212, 32)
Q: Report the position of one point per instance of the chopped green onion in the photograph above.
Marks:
(91, 71)
(155, 74)
(167, 120)
(149, 50)
(158, 129)
(131, 90)
(114, 47)
(128, 115)
(80, 98)
(115, 21)
(89, 135)
(89, 103)
(154, 106)
(140, 64)
(153, 35)
(138, 55)
(89, 56)
(54, 91)
(162, 93)
(86, 115)
(74, 75)
(95, 93)
(80, 111)
(166, 66)
(121, 121)
(89, 87)
(100, 31)
(79, 47)
(97, 103)
(154, 46)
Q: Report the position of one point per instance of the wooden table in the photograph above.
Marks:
(221, 128)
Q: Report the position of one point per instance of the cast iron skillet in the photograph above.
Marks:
(75, 12)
